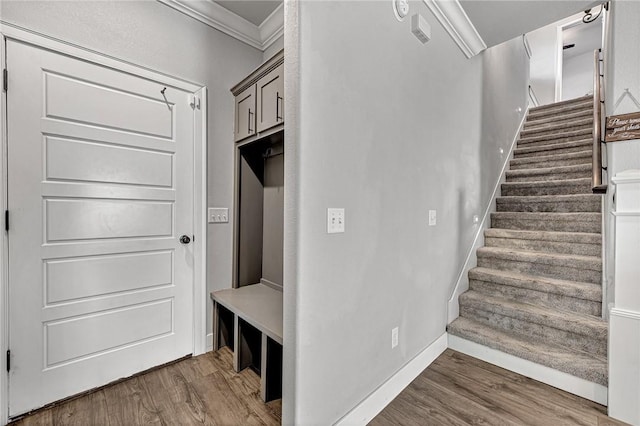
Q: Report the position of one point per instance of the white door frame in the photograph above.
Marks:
(9, 31)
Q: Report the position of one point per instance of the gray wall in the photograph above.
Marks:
(153, 35)
(387, 128)
(577, 76)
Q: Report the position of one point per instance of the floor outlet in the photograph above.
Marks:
(394, 337)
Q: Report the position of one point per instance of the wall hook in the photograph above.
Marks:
(165, 98)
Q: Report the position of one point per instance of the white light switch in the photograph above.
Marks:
(218, 214)
(335, 221)
(432, 218)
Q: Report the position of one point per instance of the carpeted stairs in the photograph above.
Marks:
(536, 292)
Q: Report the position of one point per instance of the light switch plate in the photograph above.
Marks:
(432, 218)
(218, 215)
(335, 220)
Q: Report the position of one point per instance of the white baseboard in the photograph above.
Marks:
(575, 385)
(462, 284)
(209, 342)
(373, 404)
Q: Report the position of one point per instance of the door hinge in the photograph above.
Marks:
(8, 360)
(5, 79)
(195, 103)
(6, 220)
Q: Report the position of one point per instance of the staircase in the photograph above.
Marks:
(536, 292)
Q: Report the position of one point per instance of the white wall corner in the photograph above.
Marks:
(624, 365)
(462, 283)
(377, 400)
(456, 22)
(216, 16)
(272, 28)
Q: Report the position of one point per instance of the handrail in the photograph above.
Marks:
(596, 172)
(532, 97)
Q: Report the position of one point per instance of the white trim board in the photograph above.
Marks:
(8, 31)
(455, 21)
(377, 400)
(462, 284)
(212, 14)
(566, 382)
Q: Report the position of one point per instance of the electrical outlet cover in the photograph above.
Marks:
(335, 221)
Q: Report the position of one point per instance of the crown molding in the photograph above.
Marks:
(216, 16)
(456, 22)
(272, 27)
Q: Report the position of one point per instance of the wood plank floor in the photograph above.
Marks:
(455, 390)
(200, 390)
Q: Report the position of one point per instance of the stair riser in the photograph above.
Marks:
(590, 369)
(575, 272)
(534, 143)
(557, 119)
(540, 298)
(551, 150)
(579, 249)
(561, 206)
(572, 189)
(587, 343)
(557, 128)
(557, 137)
(546, 225)
(546, 177)
(583, 160)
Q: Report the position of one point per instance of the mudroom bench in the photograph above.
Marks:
(249, 320)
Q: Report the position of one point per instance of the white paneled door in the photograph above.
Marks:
(100, 191)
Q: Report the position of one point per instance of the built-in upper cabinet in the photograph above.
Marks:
(245, 125)
(270, 99)
(259, 105)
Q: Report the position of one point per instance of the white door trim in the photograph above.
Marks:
(9, 31)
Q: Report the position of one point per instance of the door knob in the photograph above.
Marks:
(185, 239)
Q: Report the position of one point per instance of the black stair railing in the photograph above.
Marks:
(598, 105)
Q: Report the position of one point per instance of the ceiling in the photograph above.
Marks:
(253, 11)
(498, 21)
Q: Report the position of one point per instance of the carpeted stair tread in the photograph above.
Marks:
(592, 263)
(577, 363)
(555, 148)
(562, 222)
(555, 118)
(559, 126)
(552, 265)
(584, 325)
(580, 158)
(557, 136)
(547, 174)
(576, 289)
(550, 203)
(554, 187)
(545, 241)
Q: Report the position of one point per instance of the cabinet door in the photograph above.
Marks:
(270, 98)
(245, 124)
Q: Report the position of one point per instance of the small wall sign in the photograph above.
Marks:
(622, 127)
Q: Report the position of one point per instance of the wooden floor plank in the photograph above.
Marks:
(455, 390)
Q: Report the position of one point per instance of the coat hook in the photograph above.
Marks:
(165, 98)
